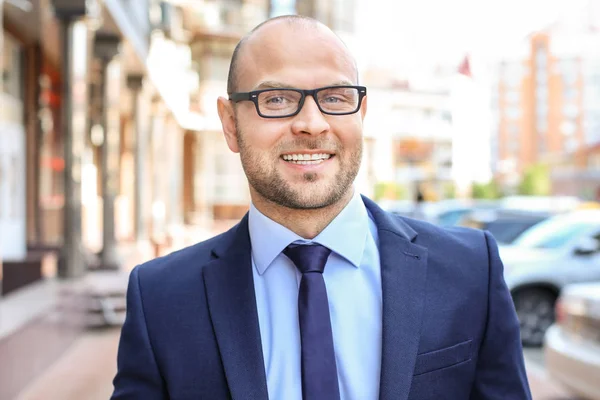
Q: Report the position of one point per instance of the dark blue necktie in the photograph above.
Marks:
(319, 371)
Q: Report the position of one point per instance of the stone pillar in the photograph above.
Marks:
(134, 83)
(1, 90)
(74, 53)
(106, 47)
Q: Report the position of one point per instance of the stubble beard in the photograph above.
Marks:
(264, 177)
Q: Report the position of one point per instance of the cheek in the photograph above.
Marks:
(350, 134)
(262, 136)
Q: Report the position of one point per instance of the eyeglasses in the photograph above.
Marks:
(282, 103)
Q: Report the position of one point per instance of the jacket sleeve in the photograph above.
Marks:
(138, 375)
(500, 367)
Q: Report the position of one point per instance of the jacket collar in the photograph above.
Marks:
(232, 304)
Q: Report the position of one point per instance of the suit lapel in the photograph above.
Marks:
(403, 276)
(232, 304)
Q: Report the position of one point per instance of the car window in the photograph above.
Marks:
(553, 234)
(506, 231)
(450, 218)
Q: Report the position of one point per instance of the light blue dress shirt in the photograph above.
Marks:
(353, 280)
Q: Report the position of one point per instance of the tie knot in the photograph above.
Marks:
(308, 258)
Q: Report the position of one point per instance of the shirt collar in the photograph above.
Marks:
(269, 239)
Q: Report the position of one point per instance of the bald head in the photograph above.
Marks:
(260, 37)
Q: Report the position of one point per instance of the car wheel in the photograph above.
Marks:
(535, 310)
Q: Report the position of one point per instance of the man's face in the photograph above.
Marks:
(271, 149)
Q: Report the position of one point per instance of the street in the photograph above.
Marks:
(86, 370)
(542, 386)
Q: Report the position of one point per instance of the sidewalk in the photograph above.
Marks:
(543, 388)
(85, 371)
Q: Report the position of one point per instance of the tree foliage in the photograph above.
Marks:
(535, 181)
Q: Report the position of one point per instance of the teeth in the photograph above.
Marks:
(302, 158)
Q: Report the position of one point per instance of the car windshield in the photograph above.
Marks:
(552, 233)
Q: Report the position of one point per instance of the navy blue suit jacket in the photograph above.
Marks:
(449, 326)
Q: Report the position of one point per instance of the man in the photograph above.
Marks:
(317, 293)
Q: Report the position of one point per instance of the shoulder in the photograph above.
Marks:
(460, 261)
(179, 265)
(456, 234)
(464, 243)
(453, 243)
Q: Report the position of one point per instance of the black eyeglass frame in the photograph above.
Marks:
(253, 97)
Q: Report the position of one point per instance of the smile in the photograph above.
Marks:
(306, 159)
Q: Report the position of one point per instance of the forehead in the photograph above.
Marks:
(302, 55)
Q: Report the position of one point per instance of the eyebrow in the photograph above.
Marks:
(281, 85)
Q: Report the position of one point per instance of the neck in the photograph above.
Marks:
(306, 223)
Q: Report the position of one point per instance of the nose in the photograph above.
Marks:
(310, 120)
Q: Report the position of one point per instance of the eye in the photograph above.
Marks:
(276, 100)
(332, 99)
(338, 96)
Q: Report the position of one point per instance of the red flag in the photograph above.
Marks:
(465, 67)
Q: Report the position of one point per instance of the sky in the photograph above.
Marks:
(411, 34)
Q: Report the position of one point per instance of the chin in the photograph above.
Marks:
(320, 199)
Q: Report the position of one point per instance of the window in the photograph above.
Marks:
(594, 162)
(541, 58)
(572, 144)
(541, 94)
(11, 68)
(541, 110)
(568, 128)
(553, 233)
(513, 97)
(569, 71)
(513, 112)
(541, 142)
(512, 74)
(570, 111)
(542, 124)
(570, 93)
(343, 15)
(282, 7)
(592, 127)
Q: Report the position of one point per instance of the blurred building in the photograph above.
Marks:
(546, 97)
(408, 135)
(471, 128)
(94, 107)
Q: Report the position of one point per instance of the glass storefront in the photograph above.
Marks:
(12, 152)
(11, 73)
(52, 164)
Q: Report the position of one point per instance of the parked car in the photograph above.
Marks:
(572, 345)
(504, 225)
(443, 213)
(561, 250)
(404, 208)
(452, 212)
(557, 204)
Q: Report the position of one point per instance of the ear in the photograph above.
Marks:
(363, 107)
(227, 116)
